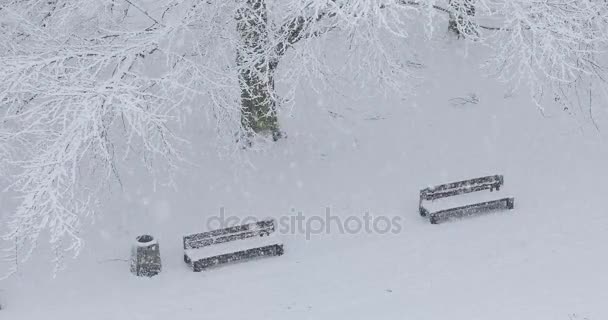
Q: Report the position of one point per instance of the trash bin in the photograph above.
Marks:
(145, 257)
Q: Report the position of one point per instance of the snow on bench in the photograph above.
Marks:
(232, 246)
(248, 241)
(463, 198)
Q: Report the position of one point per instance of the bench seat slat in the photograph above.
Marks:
(471, 209)
(495, 179)
(455, 192)
(269, 250)
(462, 187)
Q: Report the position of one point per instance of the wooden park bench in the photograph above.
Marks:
(243, 242)
(463, 198)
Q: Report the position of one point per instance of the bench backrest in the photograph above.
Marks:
(461, 187)
(256, 229)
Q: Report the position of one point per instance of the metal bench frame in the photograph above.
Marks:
(462, 187)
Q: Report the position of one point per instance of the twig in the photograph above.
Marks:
(112, 260)
(144, 12)
(448, 11)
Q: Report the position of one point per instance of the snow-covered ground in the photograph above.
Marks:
(546, 259)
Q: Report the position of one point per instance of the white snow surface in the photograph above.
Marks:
(232, 246)
(466, 199)
(546, 259)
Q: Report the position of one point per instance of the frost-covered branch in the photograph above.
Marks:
(85, 84)
(69, 97)
(550, 45)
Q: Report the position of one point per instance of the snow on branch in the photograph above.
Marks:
(554, 41)
(68, 97)
(84, 83)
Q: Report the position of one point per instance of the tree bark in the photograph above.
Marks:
(256, 70)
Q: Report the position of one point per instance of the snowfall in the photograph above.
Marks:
(545, 259)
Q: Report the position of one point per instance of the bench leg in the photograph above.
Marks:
(433, 219)
(422, 211)
(510, 203)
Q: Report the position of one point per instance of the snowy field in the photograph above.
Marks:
(546, 259)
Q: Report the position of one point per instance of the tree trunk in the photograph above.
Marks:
(256, 70)
(461, 13)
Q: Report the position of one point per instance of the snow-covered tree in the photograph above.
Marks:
(68, 90)
(551, 46)
(83, 83)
